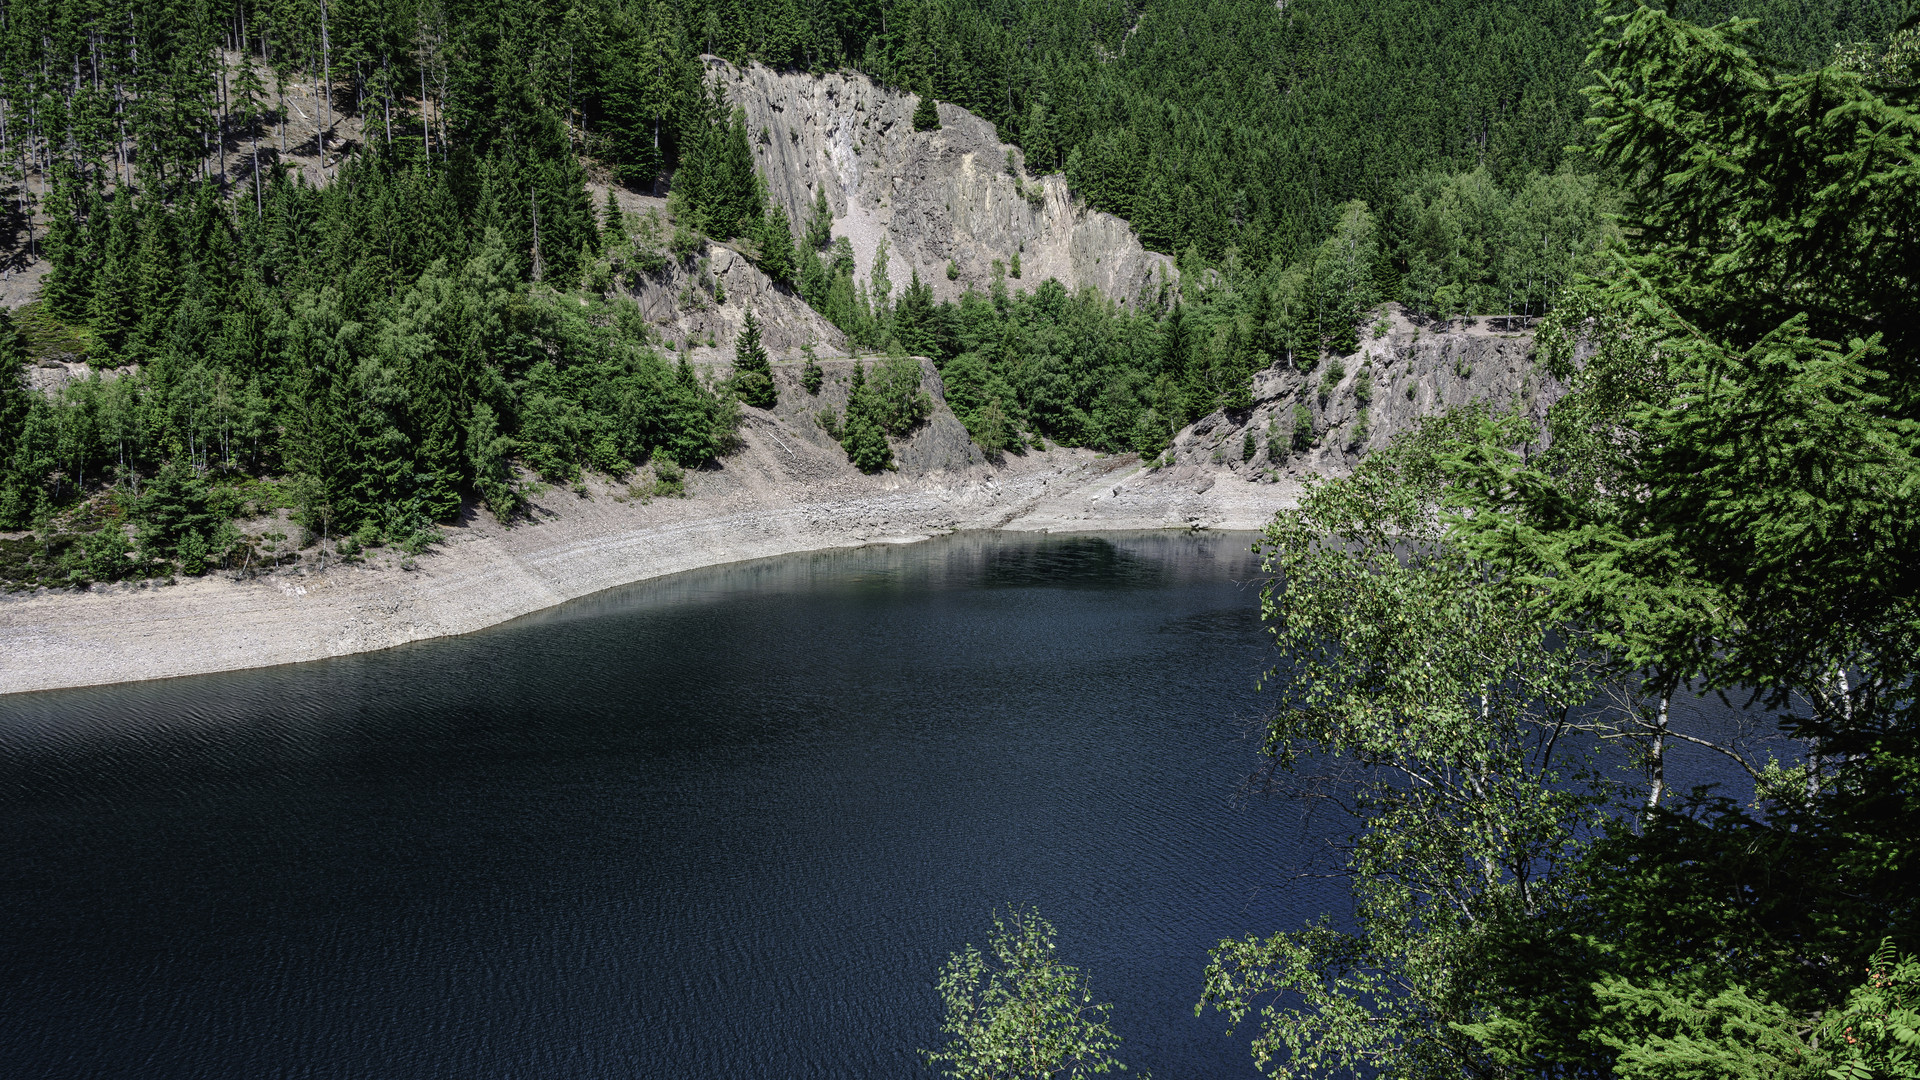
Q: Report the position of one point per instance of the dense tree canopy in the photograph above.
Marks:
(386, 338)
(1727, 505)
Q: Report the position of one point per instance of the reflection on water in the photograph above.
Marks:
(725, 824)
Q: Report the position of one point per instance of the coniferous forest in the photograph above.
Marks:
(375, 338)
(1712, 211)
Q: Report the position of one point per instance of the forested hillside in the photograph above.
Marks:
(370, 306)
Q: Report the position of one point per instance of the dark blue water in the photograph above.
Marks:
(728, 824)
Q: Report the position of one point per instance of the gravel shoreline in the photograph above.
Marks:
(779, 495)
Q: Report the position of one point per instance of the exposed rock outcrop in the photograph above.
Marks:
(680, 303)
(1414, 372)
(936, 197)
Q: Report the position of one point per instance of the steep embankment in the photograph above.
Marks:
(789, 488)
(1206, 480)
(701, 303)
(935, 196)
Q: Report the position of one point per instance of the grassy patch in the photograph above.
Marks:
(48, 338)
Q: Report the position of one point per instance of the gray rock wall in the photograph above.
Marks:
(1417, 372)
(935, 197)
(679, 303)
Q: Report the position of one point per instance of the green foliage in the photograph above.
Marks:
(752, 370)
(1725, 501)
(819, 223)
(1302, 436)
(829, 422)
(863, 436)
(1248, 447)
(44, 335)
(893, 395)
(866, 443)
(811, 374)
(1472, 247)
(613, 224)
(1330, 378)
(1876, 1034)
(926, 116)
(1018, 1011)
(180, 520)
(716, 177)
(1428, 671)
(1659, 1033)
(777, 257)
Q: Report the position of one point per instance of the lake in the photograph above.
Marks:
(725, 824)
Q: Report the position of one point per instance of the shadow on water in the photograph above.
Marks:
(722, 824)
(725, 824)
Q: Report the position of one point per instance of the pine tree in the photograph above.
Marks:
(613, 227)
(17, 498)
(926, 115)
(776, 246)
(752, 371)
(819, 222)
(811, 374)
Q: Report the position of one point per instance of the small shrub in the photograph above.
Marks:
(991, 428)
(668, 478)
(1248, 447)
(1363, 386)
(685, 241)
(829, 422)
(1302, 427)
(1331, 377)
(953, 270)
(107, 555)
(1013, 268)
(644, 263)
(1018, 1010)
(926, 117)
(1357, 438)
(424, 536)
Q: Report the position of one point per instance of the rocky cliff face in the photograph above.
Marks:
(705, 299)
(1414, 372)
(936, 197)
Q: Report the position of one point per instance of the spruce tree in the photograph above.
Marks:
(819, 222)
(752, 371)
(776, 246)
(613, 228)
(16, 402)
(926, 115)
(812, 375)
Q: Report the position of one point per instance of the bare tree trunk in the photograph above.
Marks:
(1657, 757)
(326, 87)
(538, 269)
(226, 113)
(426, 135)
